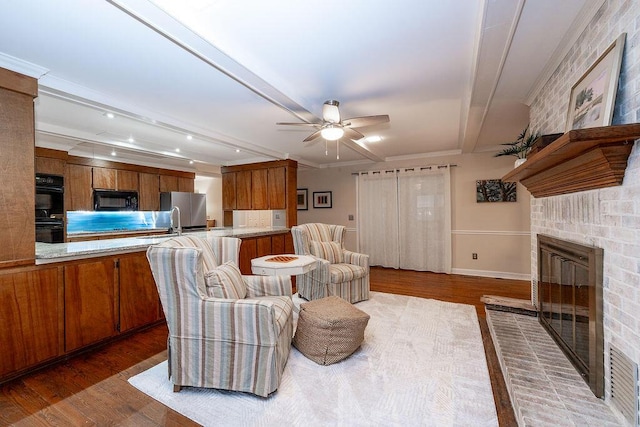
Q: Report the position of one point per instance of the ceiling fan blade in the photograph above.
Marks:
(312, 136)
(359, 122)
(330, 111)
(352, 134)
(298, 124)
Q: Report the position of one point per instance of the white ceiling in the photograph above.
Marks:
(452, 78)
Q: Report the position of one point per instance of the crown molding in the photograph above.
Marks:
(577, 27)
(21, 66)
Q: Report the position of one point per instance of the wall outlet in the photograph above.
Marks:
(350, 217)
(474, 255)
(277, 216)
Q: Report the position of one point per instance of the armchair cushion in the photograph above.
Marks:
(226, 282)
(331, 251)
(341, 273)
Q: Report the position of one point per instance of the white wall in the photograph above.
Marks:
(608, 218)
(497, 232)
(212, 187)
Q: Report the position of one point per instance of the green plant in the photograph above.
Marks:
(521, 146)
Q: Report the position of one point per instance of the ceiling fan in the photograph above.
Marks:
(333, 127)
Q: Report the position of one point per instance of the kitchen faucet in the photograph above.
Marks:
(179, 229)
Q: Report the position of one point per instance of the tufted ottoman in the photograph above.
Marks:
(329, 329)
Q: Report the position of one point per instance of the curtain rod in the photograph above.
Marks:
(406, 169)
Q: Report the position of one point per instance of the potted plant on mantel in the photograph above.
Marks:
(520, 147)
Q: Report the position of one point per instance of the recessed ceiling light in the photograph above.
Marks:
(190, 162)
(177, 150)
(237, 150)
(109, 115)
(113, 153)
(131, 139)
(189, 137)
(374, 138)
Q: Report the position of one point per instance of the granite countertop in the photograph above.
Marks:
(59, 252)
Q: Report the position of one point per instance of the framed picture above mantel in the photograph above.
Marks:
(594, 95)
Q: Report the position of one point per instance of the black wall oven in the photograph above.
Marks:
(49, 208)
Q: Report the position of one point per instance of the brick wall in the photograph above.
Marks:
(608, 218)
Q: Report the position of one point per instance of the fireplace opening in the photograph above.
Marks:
(570, 304)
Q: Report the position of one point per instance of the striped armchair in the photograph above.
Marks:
(231, 344)
(338, 271)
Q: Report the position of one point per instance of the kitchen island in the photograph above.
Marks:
(80, 295)
(59, 252)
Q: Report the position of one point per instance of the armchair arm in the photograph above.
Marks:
(258, 286)
(355, 258)
(242, 321)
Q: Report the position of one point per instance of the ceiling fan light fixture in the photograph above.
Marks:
(332, 133)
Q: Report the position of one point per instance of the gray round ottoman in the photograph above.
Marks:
(329, 329)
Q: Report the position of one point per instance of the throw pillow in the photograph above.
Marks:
(331, 251)
(225, 281)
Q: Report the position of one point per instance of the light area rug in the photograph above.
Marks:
(422, 363)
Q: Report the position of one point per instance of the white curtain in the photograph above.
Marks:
(405, 218)
(377, 201)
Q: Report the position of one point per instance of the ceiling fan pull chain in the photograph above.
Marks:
(338, 150)
(326, 147)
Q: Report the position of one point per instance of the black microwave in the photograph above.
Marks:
(109, 200)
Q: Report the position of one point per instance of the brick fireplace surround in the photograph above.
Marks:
(607, 218)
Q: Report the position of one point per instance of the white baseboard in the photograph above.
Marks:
(487, 273)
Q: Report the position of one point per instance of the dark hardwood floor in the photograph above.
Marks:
(92, 389)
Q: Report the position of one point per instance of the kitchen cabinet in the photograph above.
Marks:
(259, 196)
(186, 184)
(90, 291)
(277, 188)
(243, 189)
(248, 251)
(17, 172)
(263, 246)
(260, 186)
(78, 188)
(115, 179)
(277, 244)
(50, 166)
(30, 319)
(139, 301)
(254, 247)
(168, 183)
(228, 191)
(149, 195)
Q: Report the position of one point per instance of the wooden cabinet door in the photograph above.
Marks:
(248, 251)
(186, 184)
(139, 301)
(277, 244)
(259, 196)
(30, 318)
(90, 303)
(149, 195)
(277, 188)
(243, 189)
(169, 183)
(228, 191)
(288, 244)
(78, 188)
(127, 180)
(51, 166)
(104, 178)
(263, 246)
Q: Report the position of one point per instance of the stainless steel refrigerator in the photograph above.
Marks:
(193, 207)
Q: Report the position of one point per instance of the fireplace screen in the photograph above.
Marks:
(570, 302)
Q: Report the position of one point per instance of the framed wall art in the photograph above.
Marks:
(303, 203)
(321, 199)
(594, 95)
(495, 190)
